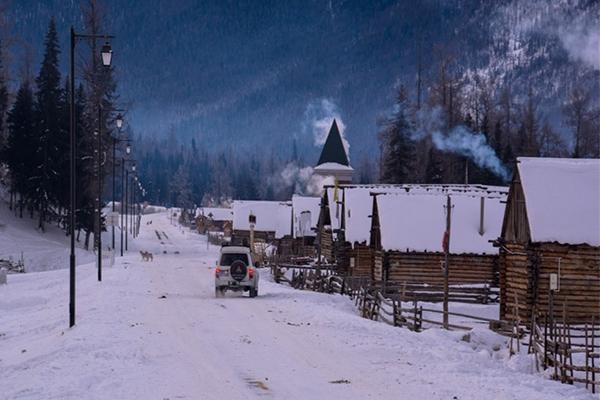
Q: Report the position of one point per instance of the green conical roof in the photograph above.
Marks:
(333, 150)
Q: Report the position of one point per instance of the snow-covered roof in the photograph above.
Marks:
(216, 213)
(300, 206)
(562, 198)
(333, 166)
(359, 201)
(416, 222)
(271, 216)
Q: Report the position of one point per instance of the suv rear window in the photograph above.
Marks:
(228, 259)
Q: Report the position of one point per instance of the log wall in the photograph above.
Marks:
(426, 268)
(526, 279)
(327, 244)
(239, 236)
(361, 261)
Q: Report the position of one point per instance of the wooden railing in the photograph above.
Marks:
(572, 352)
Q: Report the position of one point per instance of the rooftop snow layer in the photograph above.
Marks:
(562, 197)
(416, 222)
(271, 216)
(331, 166)
(359, 202)
(217, 213)
(301, 204)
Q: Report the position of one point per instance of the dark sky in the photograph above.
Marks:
(253, 72)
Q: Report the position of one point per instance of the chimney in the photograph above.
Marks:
(481, 213)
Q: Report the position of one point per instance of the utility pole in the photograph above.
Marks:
(447, 258)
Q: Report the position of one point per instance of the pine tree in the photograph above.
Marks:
(398, 148)
(180, 187)
(20, 143)
(50, 146)
(86, 191)
(433, 172)
(3, 100)
(100, 93)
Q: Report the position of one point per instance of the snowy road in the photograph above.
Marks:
(155, 331)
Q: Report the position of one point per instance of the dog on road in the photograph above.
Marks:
(146, 256)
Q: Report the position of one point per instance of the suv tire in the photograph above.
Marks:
(238, 270)
(253, 292)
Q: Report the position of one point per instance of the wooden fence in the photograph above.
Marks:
(375, 302)
(571, 351)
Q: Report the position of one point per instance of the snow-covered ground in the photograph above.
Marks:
(41, 251)
(154, 330)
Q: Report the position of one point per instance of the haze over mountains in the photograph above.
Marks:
(253, 73)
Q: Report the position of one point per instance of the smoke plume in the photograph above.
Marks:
(303, 181)
(459, 140)
(582, 43)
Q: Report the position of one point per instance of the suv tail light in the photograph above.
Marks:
(250, 272)
(217, 270)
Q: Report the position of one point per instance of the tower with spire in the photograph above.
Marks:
(333, 161)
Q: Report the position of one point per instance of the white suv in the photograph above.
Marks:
(236, 271)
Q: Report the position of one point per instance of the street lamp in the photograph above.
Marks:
(106, 61)
(106, 54)
(119, 123)
(124, 199)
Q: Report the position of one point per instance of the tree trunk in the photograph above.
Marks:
(41, 219)
(86, 244)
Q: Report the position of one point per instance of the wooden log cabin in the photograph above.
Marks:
(407, 233)
(305, 212)
(216, 219)
(353, 211)
(327, 224)
(273, 220)
(551, 230)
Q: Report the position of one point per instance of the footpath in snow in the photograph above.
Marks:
(154, 330)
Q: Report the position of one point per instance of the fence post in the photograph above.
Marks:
(593, 358)
(415, 321)
(545, 341)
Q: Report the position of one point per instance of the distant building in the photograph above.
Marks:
(334, 160)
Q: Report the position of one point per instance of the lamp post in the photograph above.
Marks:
(106, 61)
(124, 179)
(119, 123)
